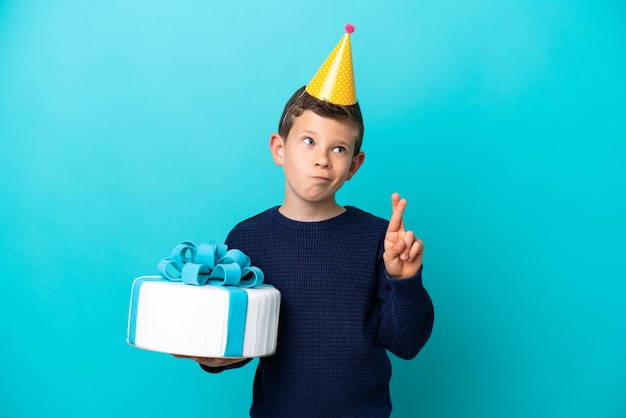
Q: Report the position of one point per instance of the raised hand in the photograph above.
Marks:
(403, 251)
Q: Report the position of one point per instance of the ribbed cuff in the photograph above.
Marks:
(407, 289)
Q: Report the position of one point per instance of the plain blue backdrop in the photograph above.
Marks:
(129, 126)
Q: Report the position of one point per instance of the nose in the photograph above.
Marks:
(322, 160)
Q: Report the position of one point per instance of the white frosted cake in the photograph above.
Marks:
(177, 318)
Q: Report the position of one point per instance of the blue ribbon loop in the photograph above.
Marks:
(214, 264)
(211, 263)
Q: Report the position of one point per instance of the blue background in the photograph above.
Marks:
(129, 126)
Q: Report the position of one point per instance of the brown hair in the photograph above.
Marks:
(301, 101)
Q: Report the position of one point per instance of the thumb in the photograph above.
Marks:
(394, 249)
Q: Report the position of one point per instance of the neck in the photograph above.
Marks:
(305, 212)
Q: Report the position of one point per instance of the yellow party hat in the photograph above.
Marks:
(334, 81)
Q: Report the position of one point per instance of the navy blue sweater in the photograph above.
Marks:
(340, 312)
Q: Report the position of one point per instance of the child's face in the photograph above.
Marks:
(317, 157)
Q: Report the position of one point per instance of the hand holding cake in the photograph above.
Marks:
(213, 361)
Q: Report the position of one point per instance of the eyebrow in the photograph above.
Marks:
(344, 144)
(306, 132)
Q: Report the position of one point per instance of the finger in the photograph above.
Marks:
(395, 250)
(409, 240)
(416, 249)
(395, 198)
(396, 222)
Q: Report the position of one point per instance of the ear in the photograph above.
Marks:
(357, 162)
(277, 146)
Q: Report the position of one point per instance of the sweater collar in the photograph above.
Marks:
(278, 217)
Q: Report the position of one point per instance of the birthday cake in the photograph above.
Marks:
(208, 301)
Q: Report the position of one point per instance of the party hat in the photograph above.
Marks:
(334, 81)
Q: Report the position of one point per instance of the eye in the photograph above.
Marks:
(340, 149)
(308, 141)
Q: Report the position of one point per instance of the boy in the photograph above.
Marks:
(350, 282)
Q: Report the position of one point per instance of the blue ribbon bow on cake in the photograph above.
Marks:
(212, 264)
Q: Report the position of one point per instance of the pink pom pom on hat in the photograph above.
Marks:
(334, 81)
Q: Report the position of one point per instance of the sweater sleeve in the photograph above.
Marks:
(406, 314)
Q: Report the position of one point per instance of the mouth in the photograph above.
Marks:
(321, 179)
